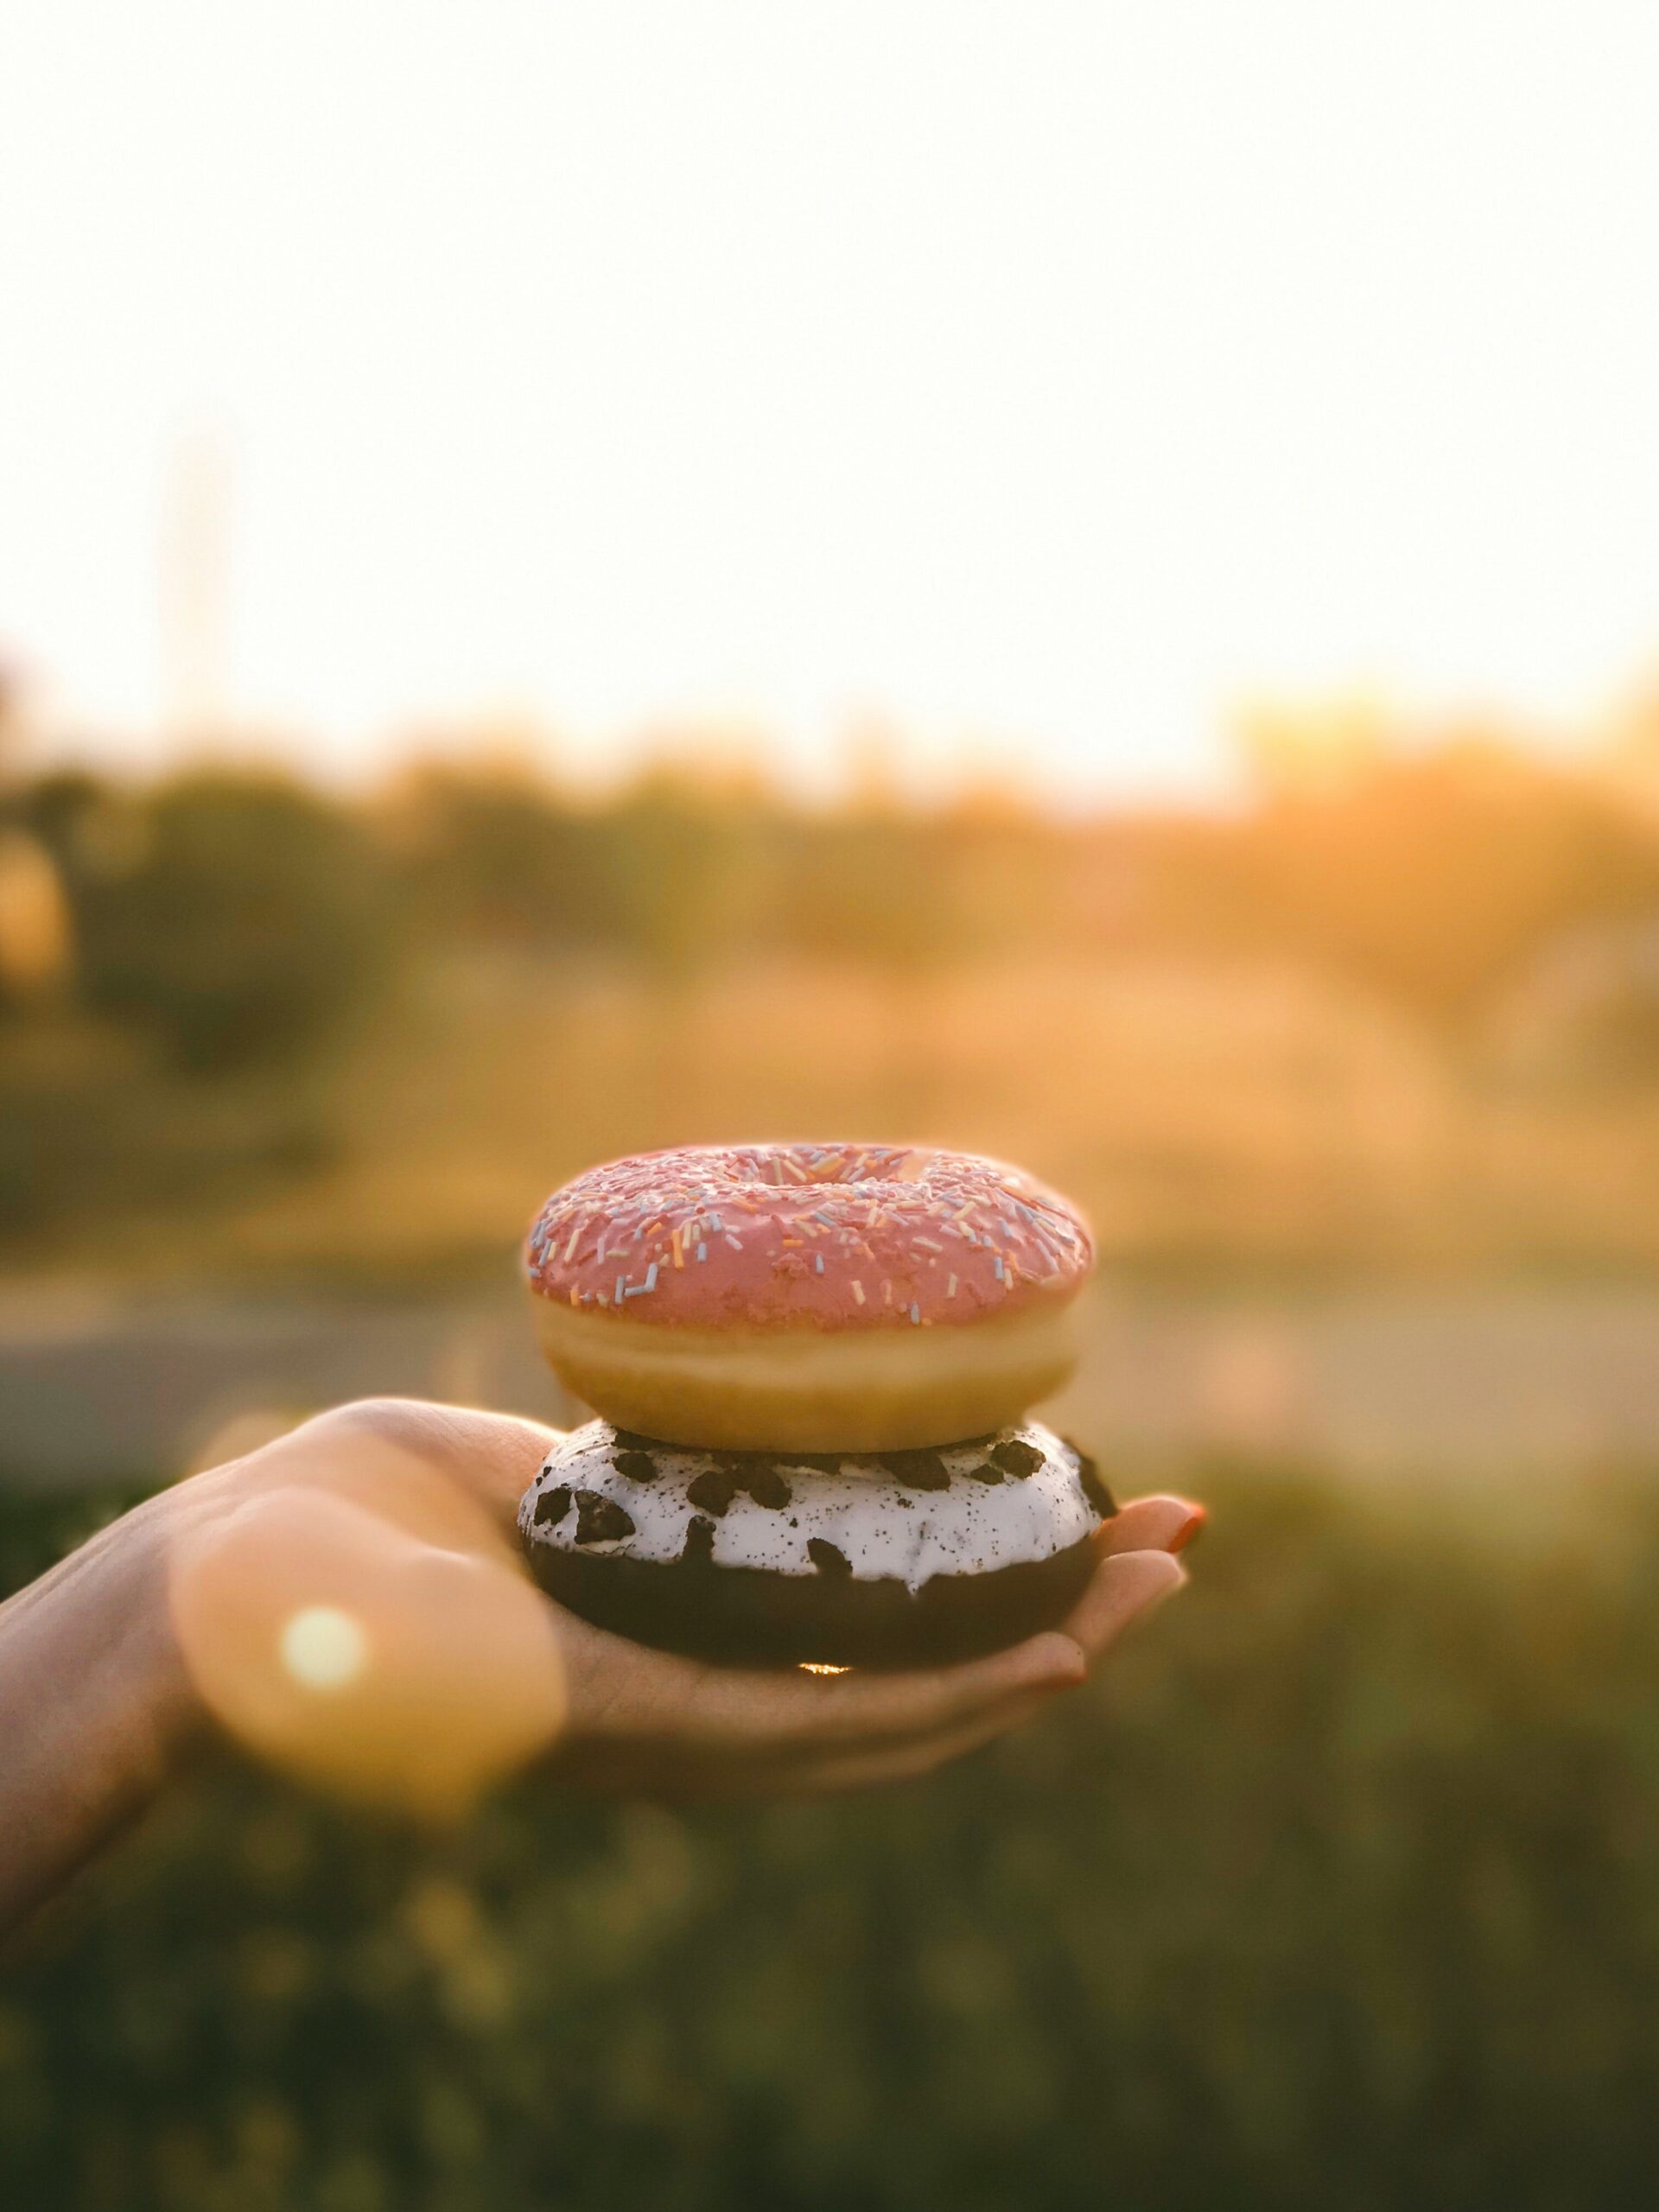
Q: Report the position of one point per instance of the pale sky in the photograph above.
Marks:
(1042, 378)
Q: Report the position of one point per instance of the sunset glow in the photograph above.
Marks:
(1042, 383)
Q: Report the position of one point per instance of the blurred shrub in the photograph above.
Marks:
(1343, 1889)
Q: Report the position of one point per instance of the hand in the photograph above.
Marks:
(350, 1602)
(487, 1673)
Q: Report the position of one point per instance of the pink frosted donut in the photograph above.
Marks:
(824, 1297)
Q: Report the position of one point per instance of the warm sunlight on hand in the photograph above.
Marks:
(407, 1668)
(349, 1604)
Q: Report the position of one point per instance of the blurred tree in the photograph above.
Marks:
(1433, 879)
(1311, 751)
(235, 914)
(490, 851)
(876, 884)
(35, 938)
(11, 720)
(692, 861)
(1587, 1011)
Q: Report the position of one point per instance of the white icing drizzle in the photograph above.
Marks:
(885, 1529)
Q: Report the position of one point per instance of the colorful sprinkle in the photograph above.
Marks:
(891, 1210)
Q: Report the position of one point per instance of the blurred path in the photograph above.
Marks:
(1366, 1381)
(90, 1388)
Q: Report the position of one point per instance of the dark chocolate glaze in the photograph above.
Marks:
(740, 1616)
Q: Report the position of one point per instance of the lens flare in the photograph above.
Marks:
(322, 1647)
(365, 1658)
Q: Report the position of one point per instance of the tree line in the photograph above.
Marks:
(233, 917)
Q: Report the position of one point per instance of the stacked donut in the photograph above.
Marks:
(813, 1365)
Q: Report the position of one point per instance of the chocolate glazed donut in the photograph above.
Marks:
(909, 1558)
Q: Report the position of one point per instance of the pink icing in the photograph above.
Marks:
(838, 1236)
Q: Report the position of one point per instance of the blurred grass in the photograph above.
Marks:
(1340, 1888)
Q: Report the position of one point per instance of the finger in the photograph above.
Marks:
(679, 1771)
(1152, 1524)
(1120, 1592)
(859, 1709)
(618, 1687)
(908, 1761)
(783, 1713)
(1125, 1588)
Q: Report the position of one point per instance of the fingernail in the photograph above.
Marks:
(1190, 1530)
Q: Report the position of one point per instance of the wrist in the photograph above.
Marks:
(96, 1706)
(146, 1682)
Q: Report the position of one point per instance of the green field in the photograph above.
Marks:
(1341, 1889)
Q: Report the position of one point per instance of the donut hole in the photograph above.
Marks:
(868, 1167)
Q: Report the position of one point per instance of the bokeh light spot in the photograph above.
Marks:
(323, 1648)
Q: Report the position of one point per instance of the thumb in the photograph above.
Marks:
(490, 1459)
